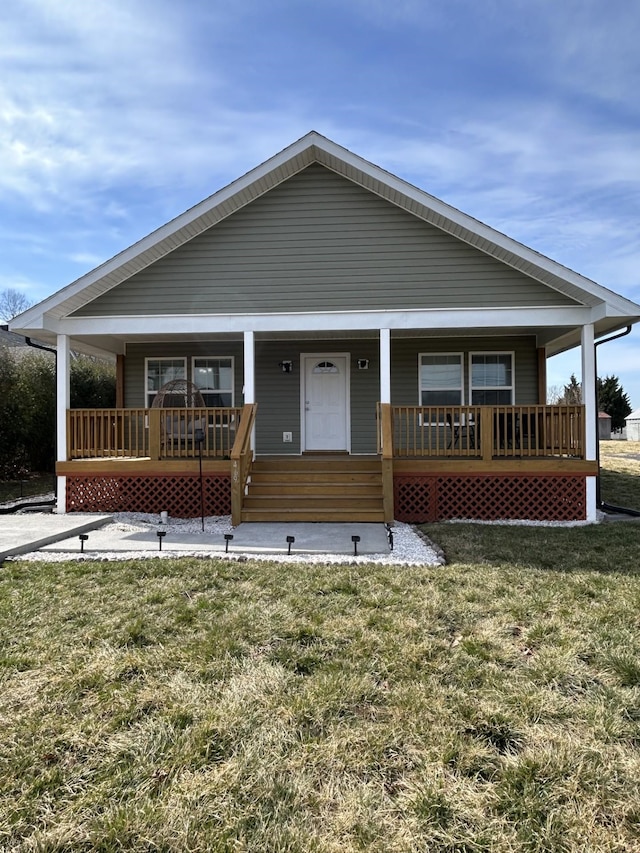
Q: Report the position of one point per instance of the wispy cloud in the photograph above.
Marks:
(116, 115)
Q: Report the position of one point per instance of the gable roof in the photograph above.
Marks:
(314, 148)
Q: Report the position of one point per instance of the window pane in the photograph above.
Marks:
(490, 371)
(214, 378)
(163, 370)
(217, 399)
(440, 398)
(491, 397)
(213, 373)
(441, 380)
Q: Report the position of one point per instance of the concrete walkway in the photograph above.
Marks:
(20, 534)
(25, 532)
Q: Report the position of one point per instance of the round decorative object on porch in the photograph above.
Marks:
(178, 394)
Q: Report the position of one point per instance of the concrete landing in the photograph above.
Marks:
(21, 534)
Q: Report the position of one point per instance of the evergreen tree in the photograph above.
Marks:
(572, 392)
(93, 383)
(613, 400)
(28, 405)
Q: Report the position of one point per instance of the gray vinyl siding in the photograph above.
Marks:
(278, 397)
(278, 393)
(404, 364)
(134, 364)
(319, 242)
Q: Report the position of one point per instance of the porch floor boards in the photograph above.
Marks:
(315, 488)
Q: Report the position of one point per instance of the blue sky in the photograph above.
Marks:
(117, 115)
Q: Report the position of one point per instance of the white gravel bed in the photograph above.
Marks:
(409, 547)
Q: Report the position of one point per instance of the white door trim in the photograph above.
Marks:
(304, 357)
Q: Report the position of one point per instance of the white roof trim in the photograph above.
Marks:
(438, 318)
(314, 148)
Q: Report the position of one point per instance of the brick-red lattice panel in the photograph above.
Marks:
(490, 497)
(414, 498)
(179, 495)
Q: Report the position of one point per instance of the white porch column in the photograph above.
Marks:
(590, 411)
(249, 368)
(385, 365)
(250, 376)
(63, 389)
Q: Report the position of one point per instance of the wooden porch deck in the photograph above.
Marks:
(526, 460)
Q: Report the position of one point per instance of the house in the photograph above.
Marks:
(364, 352)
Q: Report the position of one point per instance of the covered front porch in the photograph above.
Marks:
(327, 430)
(432, 463)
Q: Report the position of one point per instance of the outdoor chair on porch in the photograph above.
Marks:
(462, 431)
(177, 430)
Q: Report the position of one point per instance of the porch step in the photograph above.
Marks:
(315, 489)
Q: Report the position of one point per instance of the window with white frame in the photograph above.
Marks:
(159, 371)
(214, 378)
(441, 379)
(491, 377)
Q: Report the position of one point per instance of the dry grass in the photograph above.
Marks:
(620, 473)
(490, 705)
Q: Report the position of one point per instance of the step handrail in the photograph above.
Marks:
(241, 460)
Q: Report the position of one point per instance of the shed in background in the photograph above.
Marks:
(633, 426)
(604, 426)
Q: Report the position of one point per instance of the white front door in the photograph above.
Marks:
(325, 398)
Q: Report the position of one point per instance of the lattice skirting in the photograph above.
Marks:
(489, 497)
(178, 495)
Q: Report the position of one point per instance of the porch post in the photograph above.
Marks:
(250, 376)
(63, 393)
(385, 365)
(249, 368)
(542, 376)
(587, 341)
(119, 382)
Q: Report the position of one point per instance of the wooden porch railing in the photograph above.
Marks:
(154, 433)
(487, 432)
(96, 433)
(241, 459)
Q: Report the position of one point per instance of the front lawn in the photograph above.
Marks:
(492, 704)
(620, 473)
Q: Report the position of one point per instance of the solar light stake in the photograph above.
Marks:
(389, 536)
(355, 540)
(160, 534)
(290, 541)
(227, 538)
(83, 538)
(199, 438)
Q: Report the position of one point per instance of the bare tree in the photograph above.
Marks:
(12, 303)
(555, 394)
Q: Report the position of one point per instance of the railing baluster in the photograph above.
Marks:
(505, 432)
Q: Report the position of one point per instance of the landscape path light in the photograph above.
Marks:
(199, 438)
